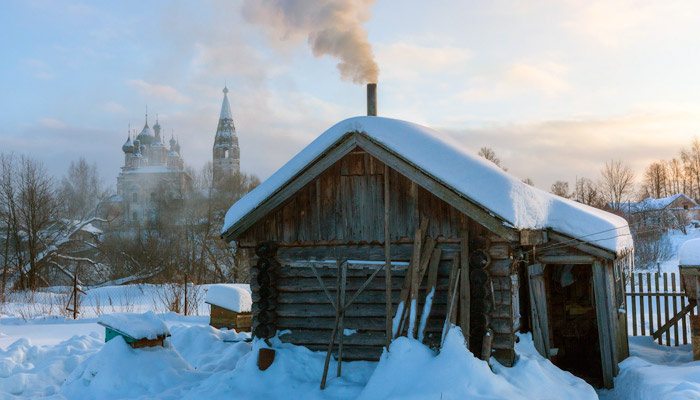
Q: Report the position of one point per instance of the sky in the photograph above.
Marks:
(555, 87)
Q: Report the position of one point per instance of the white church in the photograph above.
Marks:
(152, 171)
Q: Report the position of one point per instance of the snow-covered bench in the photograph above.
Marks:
(230, 306)
(138, 330)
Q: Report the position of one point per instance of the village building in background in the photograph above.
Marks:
(675, 211)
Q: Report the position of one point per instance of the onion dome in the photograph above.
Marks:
(146, 137)
(177, 146)
(173, 143)
(128, 147)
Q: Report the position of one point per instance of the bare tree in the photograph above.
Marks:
(528, 181)
(561, 188)
(588, 193)
(489, 154)
(691, 164)
(655, 179)
(81, 189)
(617, 183)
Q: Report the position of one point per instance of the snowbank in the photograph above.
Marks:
(196, 363)
(690, 253)
(516, 203)
(412, 371)
(234, 297)
(138, 326)
(656, 372)
(118, 371)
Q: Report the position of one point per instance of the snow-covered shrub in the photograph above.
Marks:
(651, 247)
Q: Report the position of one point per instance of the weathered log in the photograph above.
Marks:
(325, 310)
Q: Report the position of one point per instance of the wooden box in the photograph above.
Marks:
(223, 318)
(689, 281)
(111, 333)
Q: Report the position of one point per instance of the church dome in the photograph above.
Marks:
(128, 147)
(146, 136)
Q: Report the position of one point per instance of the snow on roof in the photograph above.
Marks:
(650, 203)
(690, 253)
(234, 297)
(516, 203)
(225, 107)
(138, 326)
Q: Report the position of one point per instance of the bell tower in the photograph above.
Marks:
(226, 154)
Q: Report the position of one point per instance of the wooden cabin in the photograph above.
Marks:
(490, 253)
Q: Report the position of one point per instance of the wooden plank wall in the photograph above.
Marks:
(346, 205)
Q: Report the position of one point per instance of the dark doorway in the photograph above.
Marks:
(573, 322)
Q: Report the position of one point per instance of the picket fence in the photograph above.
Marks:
(653, 299)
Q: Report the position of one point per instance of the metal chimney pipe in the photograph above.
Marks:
(372, 99)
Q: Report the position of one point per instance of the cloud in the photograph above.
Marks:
(52, 123)
(520, 78)
(163, 92)
(407, 61)
(114, 107)
(614, 23)
(561, 149)
(39, 68)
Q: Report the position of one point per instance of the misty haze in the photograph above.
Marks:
(341, 199)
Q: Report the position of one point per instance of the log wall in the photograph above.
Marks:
(341, 215)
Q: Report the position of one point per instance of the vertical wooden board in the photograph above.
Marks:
(605, 329)
(465, 289)
(634, 306)
(316, 236)
(642, 317)
(538, 309)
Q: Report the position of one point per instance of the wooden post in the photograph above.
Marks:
(538, 309)
(605, 328)
(465, 292)
(341, 327)
(75, 292)
(387, 256)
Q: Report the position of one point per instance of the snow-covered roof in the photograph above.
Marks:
(449, 162)
(225, 107)
(651, 204)
(234, 297)
(138, 326)
(690, 253)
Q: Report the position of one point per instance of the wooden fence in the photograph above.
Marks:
(653, 300)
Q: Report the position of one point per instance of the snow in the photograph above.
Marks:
(656, 372)
(516, 203)
(234, 297)
(200, 362)
(690, 253)
(138, 326)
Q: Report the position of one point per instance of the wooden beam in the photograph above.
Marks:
(572, 259)
(334, 153)
(465, 291)
(478, 213)
(533, 237)
(605, 329)
(691, 304)
(387, 255)
(582, 245)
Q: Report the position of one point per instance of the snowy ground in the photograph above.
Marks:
(43, 354)
(654, 372)
(55, 357)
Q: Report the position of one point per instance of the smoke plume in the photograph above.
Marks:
(331, 27)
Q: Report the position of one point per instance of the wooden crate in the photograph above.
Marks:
(111, 333)
(223, 318)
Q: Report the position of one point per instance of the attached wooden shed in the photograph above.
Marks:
(488, 252)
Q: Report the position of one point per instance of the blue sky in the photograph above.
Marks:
(555, 87)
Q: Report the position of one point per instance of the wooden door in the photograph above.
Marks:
(538, 309)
